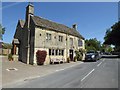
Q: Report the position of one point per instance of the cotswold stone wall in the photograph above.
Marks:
(40, 43)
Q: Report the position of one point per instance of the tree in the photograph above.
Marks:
(112, 36)
(107, 34)
(92, 44)
(2, 31)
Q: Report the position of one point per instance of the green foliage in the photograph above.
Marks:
(10, 57)
(109, 49)
(117, 48)
(107, 34)
(68, 60)
(92, 44)
(103, 48)
(2, 31)
(82, 51)
(75, 58)
(79, 54)
(112, 36)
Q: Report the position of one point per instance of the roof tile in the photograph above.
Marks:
(55, 26)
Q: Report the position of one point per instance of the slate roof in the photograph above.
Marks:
(41, 22)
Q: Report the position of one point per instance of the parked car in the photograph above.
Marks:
(92, 56)
(107, 53)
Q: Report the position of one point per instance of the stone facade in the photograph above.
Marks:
(36, 33)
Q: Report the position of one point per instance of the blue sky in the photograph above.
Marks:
(92, 18)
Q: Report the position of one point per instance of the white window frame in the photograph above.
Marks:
(48, 36)
(80, 43)
(60, 38)
(71, 41)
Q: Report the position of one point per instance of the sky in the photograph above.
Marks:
(92, 18)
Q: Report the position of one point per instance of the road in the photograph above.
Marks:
(100, 74)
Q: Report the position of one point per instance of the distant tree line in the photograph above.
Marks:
(2, 31)
(96, 45)
(112, 36)
(92, 44)
(4, 45)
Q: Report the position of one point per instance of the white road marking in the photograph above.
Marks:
(99, 64)
(15, 69)
(87, 75)
(7, 69)
(59, 70)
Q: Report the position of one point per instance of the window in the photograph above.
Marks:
(49, 51)
(61, 38)
(80, 43)
(48, 36)
(62, 52)
(56, 52)
(53, 52)
(71, 41)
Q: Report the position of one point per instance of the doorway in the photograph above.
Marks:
(71, 54)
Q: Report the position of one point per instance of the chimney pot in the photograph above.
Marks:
(74, 26)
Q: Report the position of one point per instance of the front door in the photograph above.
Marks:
(71, 54)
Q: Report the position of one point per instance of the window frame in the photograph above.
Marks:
(48, 36)
(80, 43)
(71, 41)
(50, 52)
(60, 39)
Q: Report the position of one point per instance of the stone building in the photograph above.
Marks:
(1, 47)
(36, 33)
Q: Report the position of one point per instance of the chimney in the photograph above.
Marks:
(74, 26)
(29, 12)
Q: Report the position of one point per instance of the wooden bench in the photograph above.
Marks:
(57, 60)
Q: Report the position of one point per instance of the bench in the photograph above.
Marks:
(57, 60)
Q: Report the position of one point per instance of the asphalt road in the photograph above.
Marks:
(100, 74)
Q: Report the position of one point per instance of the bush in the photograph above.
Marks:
(10, 57)
(75, 58)
(41, 56)
(82, 51)
(79, 54)
(68, 60)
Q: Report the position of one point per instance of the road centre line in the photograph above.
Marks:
(59, 70)
(99, 64)
(87, 75)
